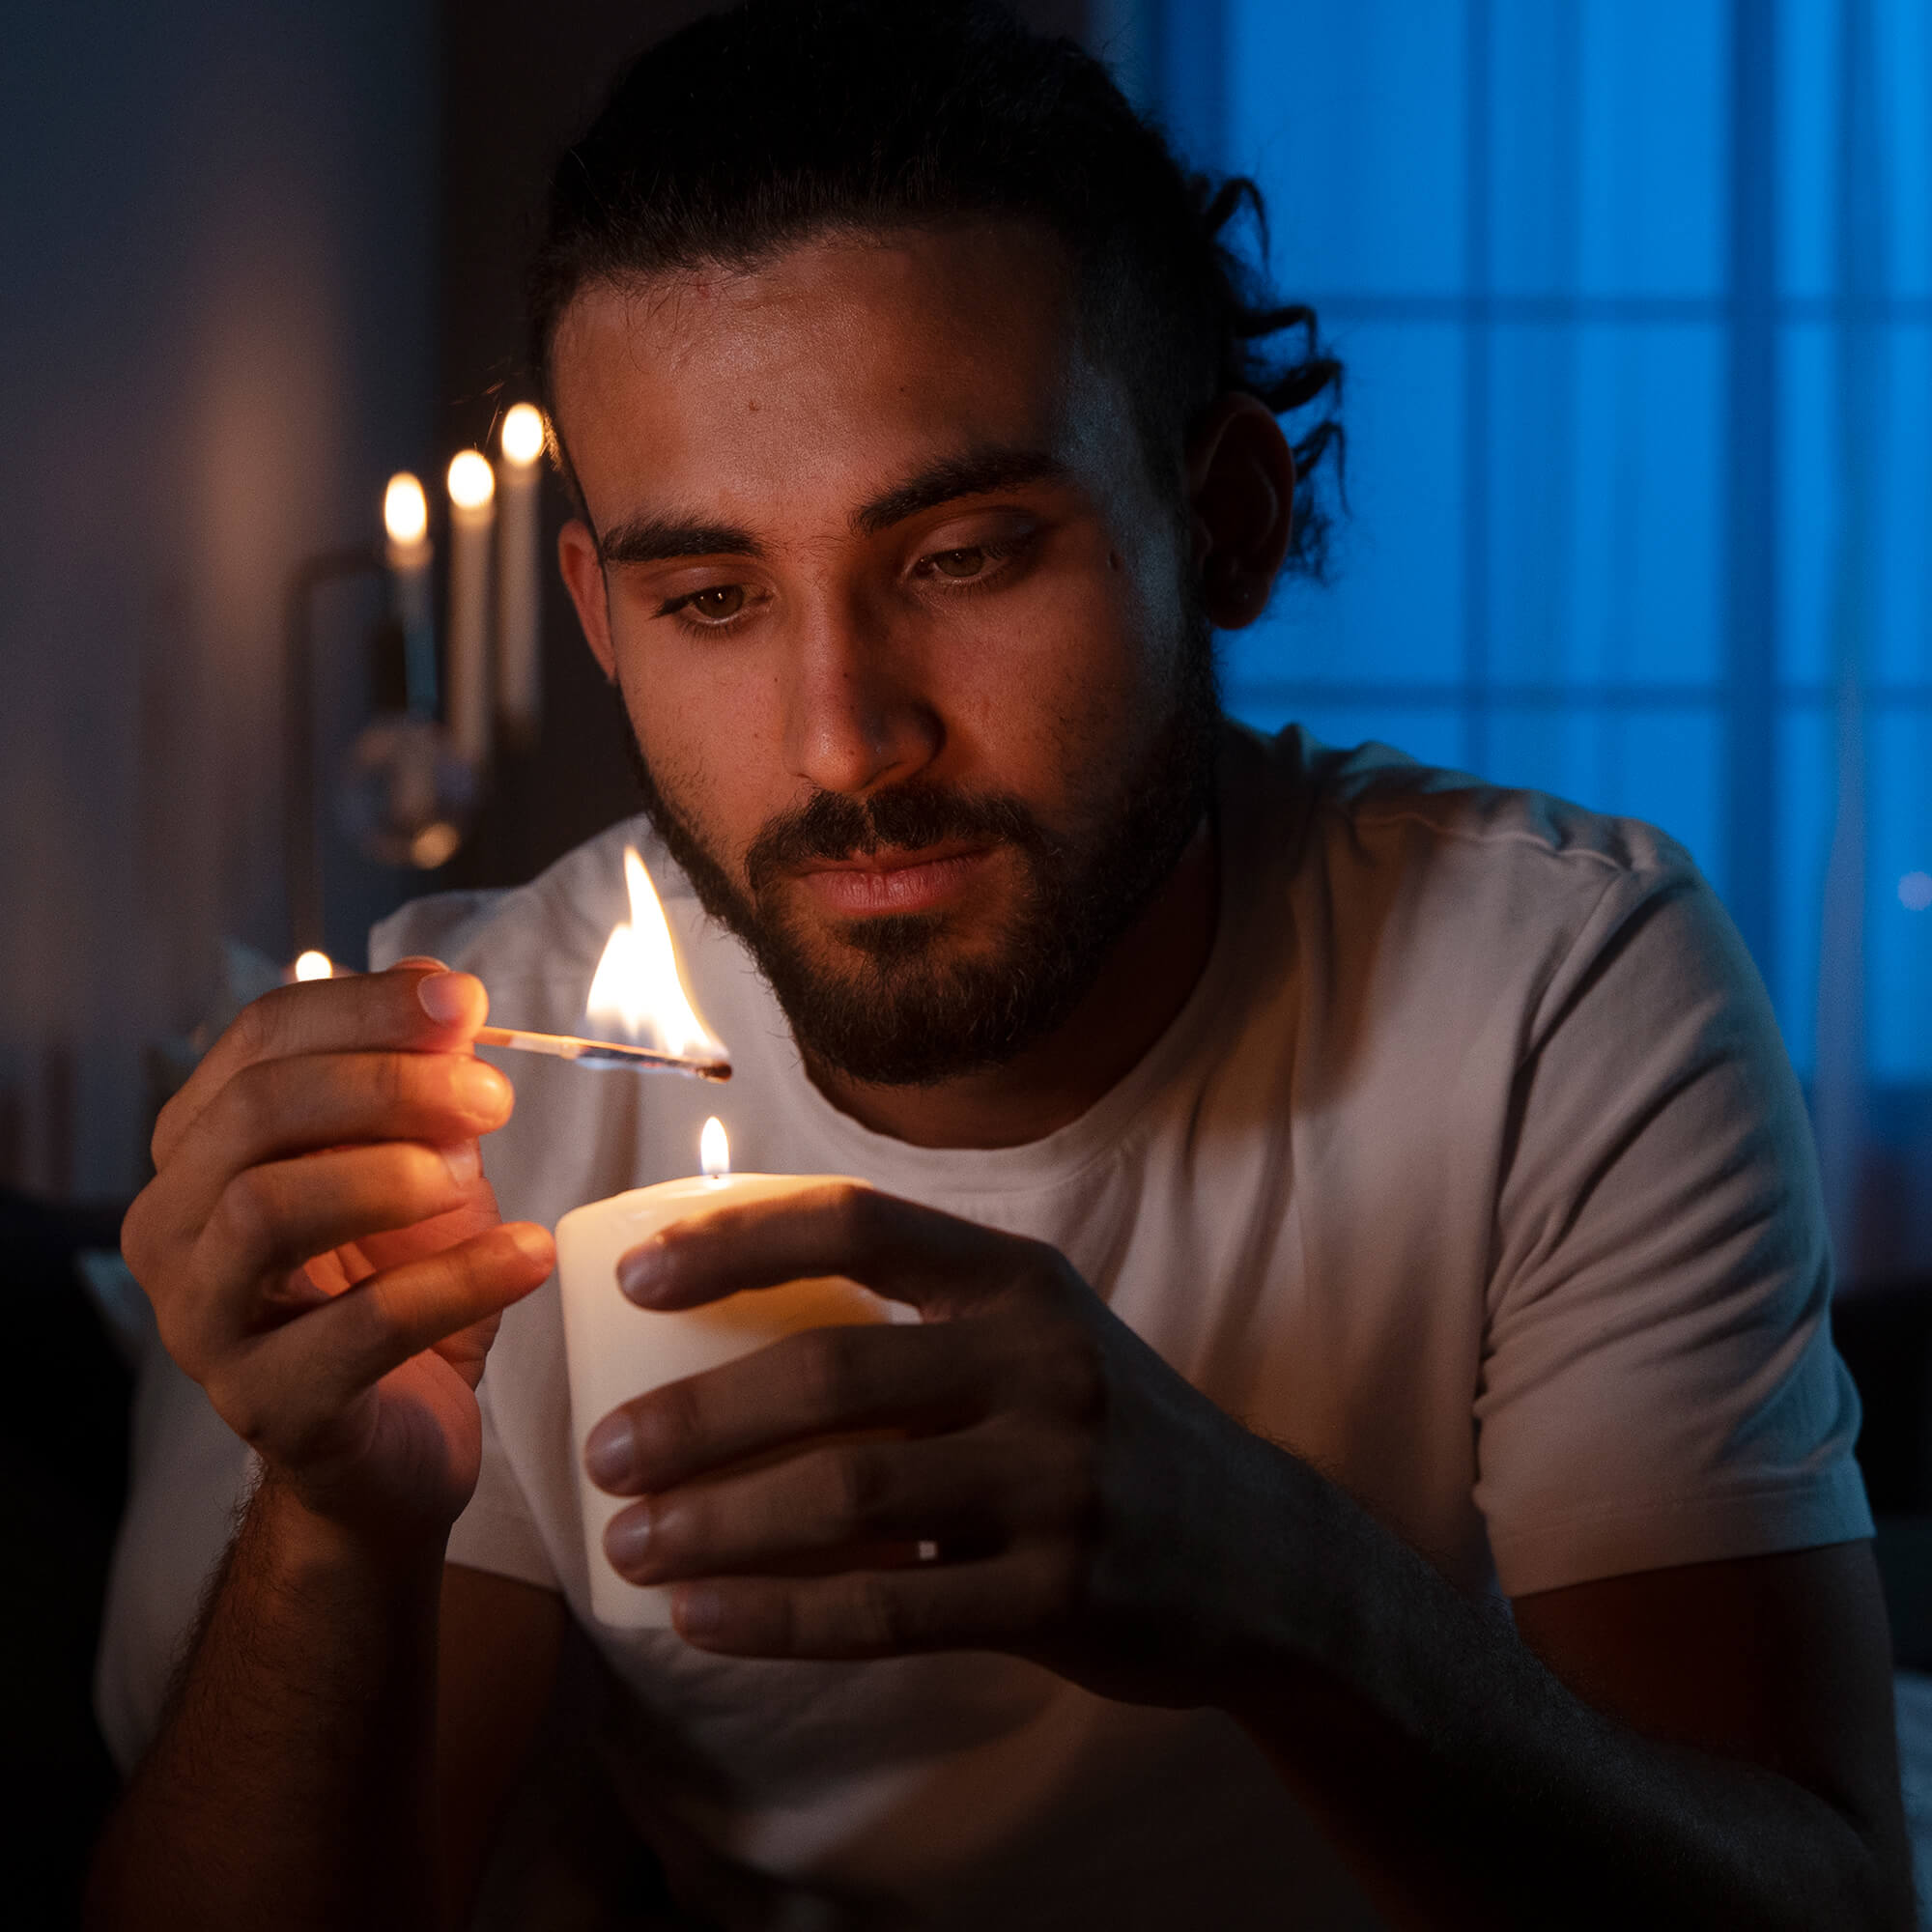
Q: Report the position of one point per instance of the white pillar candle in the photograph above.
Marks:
(520, 576)
(472, 511)
(616, 1350)
(409, 556)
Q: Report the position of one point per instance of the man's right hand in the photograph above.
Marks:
(321, 1250)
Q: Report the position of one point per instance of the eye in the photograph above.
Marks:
(958, 563)
(718, 605)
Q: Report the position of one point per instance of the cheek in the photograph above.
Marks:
(710, 740)
(1062, 690)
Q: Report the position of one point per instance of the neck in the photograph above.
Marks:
(1145, 981)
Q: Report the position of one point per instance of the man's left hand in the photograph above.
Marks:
(1089, 1509)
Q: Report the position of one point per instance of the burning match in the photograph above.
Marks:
(601, 1052)
(638, 991)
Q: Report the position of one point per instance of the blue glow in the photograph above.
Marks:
(1518, 222)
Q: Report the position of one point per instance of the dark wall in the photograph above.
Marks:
(217, 231)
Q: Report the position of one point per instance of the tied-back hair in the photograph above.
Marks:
(752, 130)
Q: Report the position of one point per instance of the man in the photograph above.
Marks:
(1332, 1190)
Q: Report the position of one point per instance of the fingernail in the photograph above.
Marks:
(417, 961)
(463, 1162)
(534, 1241)
(639, 1270)
(480, 1088)
(444, 996)
(627, 1542)
(698, 1611)
(610, 1451)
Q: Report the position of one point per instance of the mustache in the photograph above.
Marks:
(831, 827)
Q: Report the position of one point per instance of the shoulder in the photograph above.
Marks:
(1408, 885)
(1381, 838)
(1393, 810)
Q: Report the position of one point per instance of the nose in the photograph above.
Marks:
(857, 718)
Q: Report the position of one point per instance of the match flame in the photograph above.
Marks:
(714, 1150)
(637, 991)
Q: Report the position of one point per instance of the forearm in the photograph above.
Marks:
(1469, 1786)
(292, 1780)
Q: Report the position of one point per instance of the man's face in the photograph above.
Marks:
(898, 617)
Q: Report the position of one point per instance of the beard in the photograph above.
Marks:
(905, 1006)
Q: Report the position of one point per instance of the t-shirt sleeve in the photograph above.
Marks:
(496, 1532)
(1659, 1384)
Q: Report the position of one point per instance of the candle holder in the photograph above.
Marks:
(411, 783)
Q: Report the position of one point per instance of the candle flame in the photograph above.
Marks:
(523, 436)
(404, 510)
(472, 480)
(314, 965)
(714, 1150)
(637, 989)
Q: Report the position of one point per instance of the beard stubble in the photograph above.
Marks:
(902, 1007)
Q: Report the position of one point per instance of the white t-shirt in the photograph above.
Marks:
(1472, 1171)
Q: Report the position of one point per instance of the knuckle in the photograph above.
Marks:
(253, 1027)
(251, 1101)
(824, 1371)
(379, 1314)
(392, 1079)
(668, 1421)
(135, 1234)
(862, 1480)
(245, 1214)
(852, 1210)
(878, 1616)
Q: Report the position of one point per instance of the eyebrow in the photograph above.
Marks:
(666, 539)
(976, 473)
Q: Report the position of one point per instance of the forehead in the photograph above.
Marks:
(808, 377)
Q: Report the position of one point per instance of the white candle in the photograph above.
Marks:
(520, 578)
(616, 1350)
(472, 511)
(406, 519)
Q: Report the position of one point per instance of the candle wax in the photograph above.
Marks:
(616, 1350)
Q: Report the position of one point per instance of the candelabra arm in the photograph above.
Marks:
(302, 848)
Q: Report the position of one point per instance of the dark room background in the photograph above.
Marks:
(1636, 302)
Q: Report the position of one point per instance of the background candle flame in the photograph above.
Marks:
(637, 990)
(714, 1150)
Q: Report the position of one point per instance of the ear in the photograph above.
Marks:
(584, 578)
(1240, 493)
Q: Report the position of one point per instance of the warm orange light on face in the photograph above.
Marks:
(637, 990)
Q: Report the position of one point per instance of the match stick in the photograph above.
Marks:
(600, 1051)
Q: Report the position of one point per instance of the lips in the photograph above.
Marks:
(896, 881)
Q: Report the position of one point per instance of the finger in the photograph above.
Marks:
(976, 1489)
(279, 1108)
(940, 1264)
(1007, 1602)
(273, 1218)
(823, 1382)
(418, 1006)
(284, 1389)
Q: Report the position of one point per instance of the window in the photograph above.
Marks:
(1636, 299)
